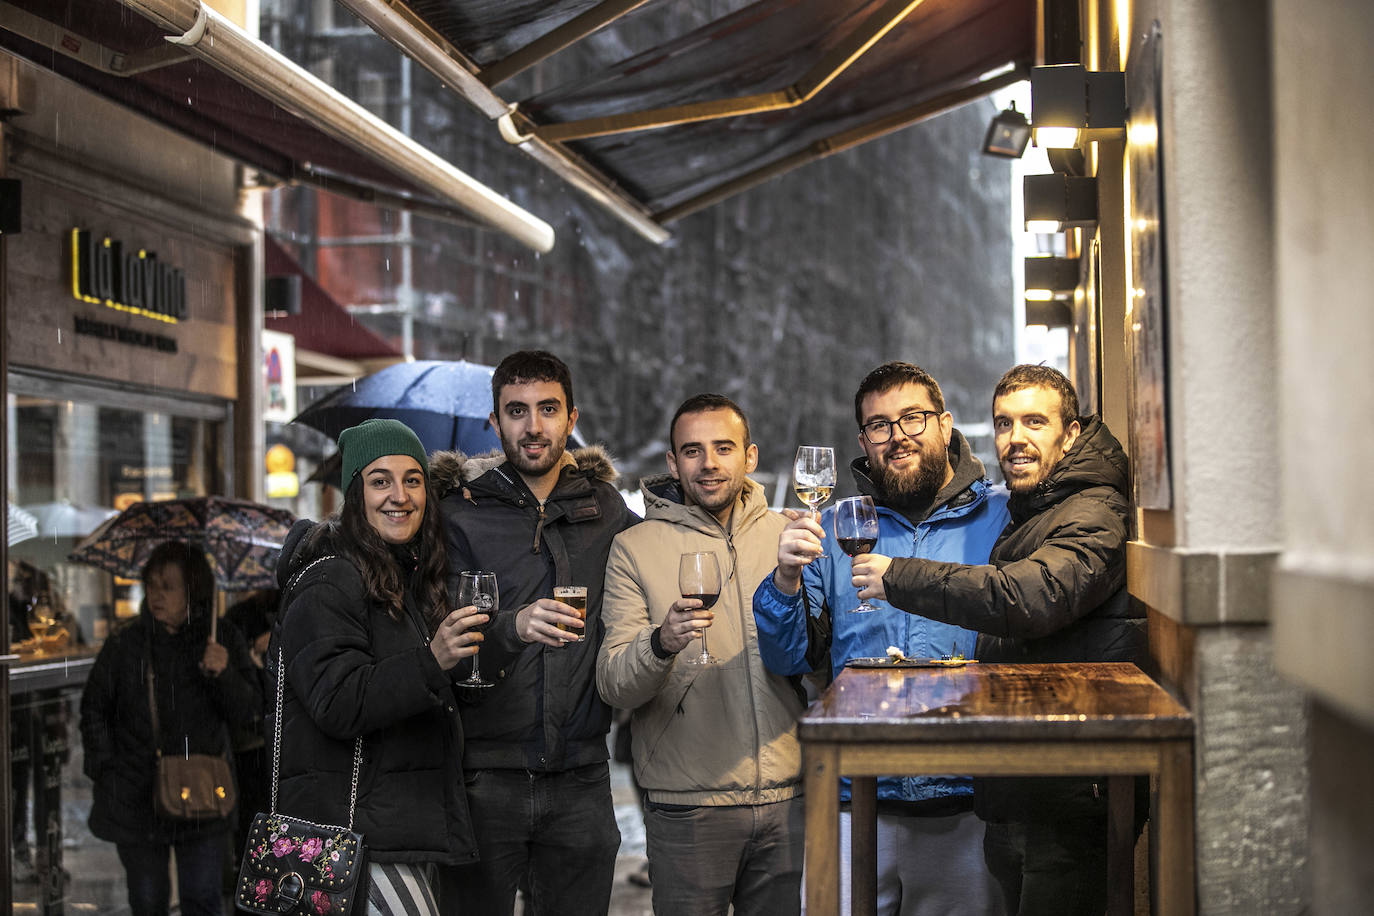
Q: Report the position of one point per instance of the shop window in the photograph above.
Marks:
(75, 461)
(77, 453)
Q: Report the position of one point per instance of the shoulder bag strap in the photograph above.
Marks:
(276, 722)
(152, 700)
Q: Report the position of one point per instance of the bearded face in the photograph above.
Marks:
(907, 469)
(909, 473)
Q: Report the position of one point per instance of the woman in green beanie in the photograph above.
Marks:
(369, 648)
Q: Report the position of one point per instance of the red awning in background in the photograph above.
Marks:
(323, 326)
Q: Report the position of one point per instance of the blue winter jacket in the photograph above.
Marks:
(969, 515)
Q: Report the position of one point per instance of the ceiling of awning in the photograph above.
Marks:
(207, 103)
(889, 64)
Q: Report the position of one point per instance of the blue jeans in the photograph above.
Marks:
(551, 834)
(703, 859)
(200, 871)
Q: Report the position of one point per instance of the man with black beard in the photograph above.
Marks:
(534, 760)
(1053, 590)
(933, 502)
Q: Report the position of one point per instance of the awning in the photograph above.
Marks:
(720, 108)
(182, 64)
(323, 326)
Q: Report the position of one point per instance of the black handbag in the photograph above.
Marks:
(295, 867)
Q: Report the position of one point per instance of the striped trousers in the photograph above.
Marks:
(397, 889)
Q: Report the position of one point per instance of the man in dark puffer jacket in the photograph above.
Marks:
(1054, 590)
(535, 765)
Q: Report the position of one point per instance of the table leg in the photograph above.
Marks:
(1120, 845)
(1173, 830)
(822, 785)
(863, 845)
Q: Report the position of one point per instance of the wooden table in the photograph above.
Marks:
(999, 720)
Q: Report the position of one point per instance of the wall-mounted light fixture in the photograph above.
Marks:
(282, 296)
(1071, 105)
(1008, 134)
(1049, 278)
(1053, 203)
(1054, 314)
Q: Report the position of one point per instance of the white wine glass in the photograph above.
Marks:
(698, 576)
(813, 475)
(856, 530)
(478, 588)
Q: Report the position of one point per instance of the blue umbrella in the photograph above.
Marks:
(446, 403)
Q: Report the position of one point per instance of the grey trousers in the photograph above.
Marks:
(703, 860)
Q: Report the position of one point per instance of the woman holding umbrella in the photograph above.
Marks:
(369, 648)
(201, 685)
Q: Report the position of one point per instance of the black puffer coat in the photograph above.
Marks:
(1054, 590)
(544, 712)
(352, 669)
(194, 714)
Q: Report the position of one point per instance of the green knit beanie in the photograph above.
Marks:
(363, 444)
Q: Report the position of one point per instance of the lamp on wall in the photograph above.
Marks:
(1050, 278)
(1008, 134)
(1053, 314)
(282, 296)
(1071, 105)
(1053, 203)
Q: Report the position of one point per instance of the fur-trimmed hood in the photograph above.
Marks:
(451, 470)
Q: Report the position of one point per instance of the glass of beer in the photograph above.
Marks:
(575, 597)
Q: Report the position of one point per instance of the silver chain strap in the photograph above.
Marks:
(276, 725)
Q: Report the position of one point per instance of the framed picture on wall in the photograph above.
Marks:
(1146, 300)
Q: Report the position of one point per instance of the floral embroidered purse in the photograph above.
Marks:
(291, 866)
(295, 867)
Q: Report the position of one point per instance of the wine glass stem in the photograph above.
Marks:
(704, 653)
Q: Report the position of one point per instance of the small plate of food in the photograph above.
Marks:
(896, 659)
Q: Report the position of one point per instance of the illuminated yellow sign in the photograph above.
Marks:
(133, 281)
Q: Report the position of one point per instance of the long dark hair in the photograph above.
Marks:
(349, 534)
(195, 571)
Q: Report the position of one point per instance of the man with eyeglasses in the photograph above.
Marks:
(933, 501)
(1053, 590)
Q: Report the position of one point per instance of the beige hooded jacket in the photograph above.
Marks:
(717, 735)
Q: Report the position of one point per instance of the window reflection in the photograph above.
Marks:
(73, 463)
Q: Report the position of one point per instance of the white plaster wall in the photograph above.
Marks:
(1215, 145)
(1324, 122)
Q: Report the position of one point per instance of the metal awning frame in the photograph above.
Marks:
(199, 31)
(395, 21)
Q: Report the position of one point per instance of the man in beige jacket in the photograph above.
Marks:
(714, 745)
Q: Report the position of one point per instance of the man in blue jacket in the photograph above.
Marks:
(934, 502)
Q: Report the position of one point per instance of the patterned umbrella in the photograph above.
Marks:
(242, 540)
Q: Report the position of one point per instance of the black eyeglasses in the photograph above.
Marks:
(912, 424)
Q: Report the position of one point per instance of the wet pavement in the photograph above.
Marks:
(95, 886)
